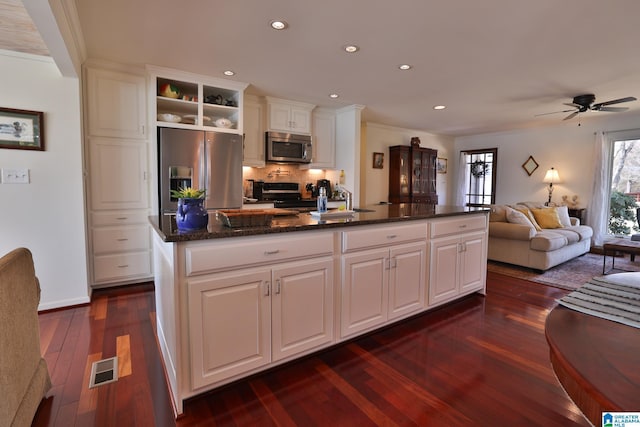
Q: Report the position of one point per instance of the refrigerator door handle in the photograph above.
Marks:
(205, 167)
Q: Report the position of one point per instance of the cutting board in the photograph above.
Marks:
(281, 212)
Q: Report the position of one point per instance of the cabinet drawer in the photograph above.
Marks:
(121, 239)
(119, 218)
(228, 254)
(121, 267)
(461, 224)
(368, 237)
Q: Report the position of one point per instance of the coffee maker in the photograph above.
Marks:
(326, 184)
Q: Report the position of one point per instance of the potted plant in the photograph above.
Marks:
(191, 214)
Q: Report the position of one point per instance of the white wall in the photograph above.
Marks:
(379, 138)
(47, 215)
(566, 146)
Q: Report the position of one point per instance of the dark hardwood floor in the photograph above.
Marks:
(480, 361)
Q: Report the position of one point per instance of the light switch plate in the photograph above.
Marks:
(15, 176)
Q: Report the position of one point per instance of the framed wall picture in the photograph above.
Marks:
(21, 129)
(441, 165)
(378, 160)
(530, 165)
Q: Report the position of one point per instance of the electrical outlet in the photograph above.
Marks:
(15, 176)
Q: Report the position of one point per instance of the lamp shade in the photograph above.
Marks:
(552, 176)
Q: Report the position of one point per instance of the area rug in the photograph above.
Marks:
(569, 275)
(610, 300)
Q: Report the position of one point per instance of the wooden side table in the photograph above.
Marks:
(624, 246)
(580, 213)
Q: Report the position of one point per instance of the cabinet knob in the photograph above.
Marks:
(267, 288)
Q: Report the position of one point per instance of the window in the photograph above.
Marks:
(480, 176)
(624, 193)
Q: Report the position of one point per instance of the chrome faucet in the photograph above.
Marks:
(348, 198)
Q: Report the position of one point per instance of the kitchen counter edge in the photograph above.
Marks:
(165, 225)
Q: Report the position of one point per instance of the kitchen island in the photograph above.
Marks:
(231, 302)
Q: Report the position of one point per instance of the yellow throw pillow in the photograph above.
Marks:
(525, 210)
(547, 218)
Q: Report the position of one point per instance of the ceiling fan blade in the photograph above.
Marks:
(571, 116)
(615, 101)
(571, 104)
(613, 109)
(555, 112)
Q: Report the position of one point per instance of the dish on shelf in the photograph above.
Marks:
(169, 117)
(223, 123)
(169, 91)
(192, 119)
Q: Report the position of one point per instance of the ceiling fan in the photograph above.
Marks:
(582, 103)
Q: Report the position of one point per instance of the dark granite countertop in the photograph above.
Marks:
(165, 225)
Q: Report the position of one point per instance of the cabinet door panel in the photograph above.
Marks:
(406, 280)
(229, 326)
(300, 120)
(118, 174)
(473, 263)
(364, 291)
(117, 106)
(302, 307)
(253, 154)
(443, 283)
(279, 118)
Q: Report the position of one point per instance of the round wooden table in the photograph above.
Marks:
(597, 361)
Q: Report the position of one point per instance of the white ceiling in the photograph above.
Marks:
(495, 64)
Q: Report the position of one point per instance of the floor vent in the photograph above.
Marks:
(103, 372)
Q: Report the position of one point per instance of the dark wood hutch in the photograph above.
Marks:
(412, 174)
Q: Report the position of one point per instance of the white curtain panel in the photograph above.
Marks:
(599, 204)
(461, 180)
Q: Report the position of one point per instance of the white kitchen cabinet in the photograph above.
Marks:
(254, 139)
(383, 284)
(302, 307)
(117, 156)
(457, 258)
(116, 104)
(289, 116)
(245, 319)
(324, 140)
(118, 174)
(229, 325)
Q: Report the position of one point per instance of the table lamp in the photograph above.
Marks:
(551, 176)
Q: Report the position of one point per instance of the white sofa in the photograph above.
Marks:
(529, 244)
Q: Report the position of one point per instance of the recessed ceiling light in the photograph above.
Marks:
(351, 48)
(279, 25)
(439, 107)
(229, 73)
(334, 95)
(404, 67)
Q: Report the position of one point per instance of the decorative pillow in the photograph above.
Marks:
(563, 214)
(525, 210)
(547, 217)
(517, 217)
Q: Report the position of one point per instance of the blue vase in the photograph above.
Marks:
(191, 215)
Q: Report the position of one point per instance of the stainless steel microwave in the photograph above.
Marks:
(288, 148)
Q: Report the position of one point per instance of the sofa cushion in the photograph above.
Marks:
(547, 217)
(571, 236)
(546, 241)
(516, 217)
(505, 230)
(563, 214)
(497, 213)
(525, 210)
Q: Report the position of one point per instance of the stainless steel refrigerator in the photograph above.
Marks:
(199, 159)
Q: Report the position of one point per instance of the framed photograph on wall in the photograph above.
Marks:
(378, 160)
(441, 165)
(21, 129)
